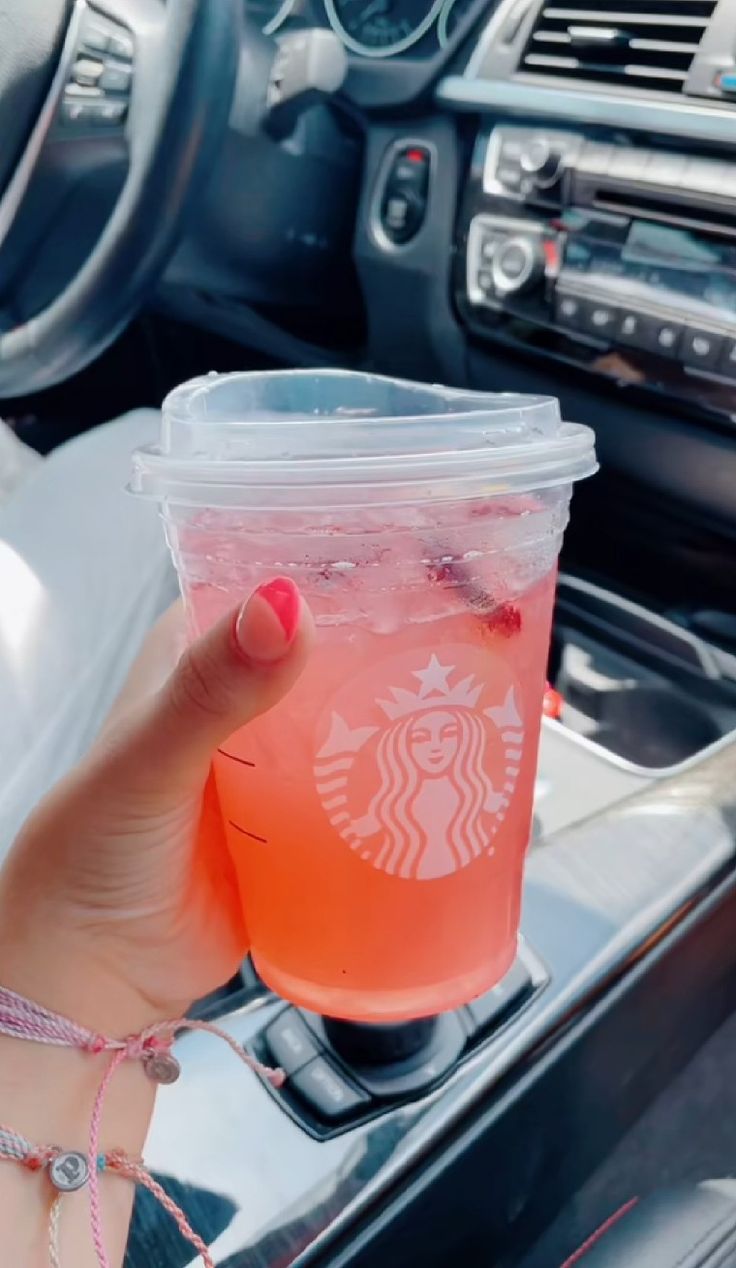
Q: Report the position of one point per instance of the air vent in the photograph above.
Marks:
(637, 44)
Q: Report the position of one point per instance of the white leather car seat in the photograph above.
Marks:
(84, 572)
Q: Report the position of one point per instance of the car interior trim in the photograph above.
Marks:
(689, 121)
(17, 188)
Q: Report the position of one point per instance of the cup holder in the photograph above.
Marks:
(633, 683)
(653, 726)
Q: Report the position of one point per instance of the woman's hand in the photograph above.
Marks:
(118, 904)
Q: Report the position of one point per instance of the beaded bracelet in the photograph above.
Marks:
(20, 1018)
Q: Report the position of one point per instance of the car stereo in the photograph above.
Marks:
(618, 257)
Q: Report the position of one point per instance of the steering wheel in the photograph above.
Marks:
(158, 76)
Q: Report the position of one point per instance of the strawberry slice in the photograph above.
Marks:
(499, 618)
(552, 703)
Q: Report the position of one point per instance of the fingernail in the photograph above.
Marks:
(267, 623)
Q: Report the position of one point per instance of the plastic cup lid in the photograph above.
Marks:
(335, 437)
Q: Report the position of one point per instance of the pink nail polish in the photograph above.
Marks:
(268, 622)
(282, 595)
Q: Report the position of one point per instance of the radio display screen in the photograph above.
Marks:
(654, 261)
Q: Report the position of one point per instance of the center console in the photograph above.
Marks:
(617, 257)
(467, 1132)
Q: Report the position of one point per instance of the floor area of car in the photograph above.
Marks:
(687, 1135)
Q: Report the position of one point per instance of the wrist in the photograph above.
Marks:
(71, 973)
(67, 981)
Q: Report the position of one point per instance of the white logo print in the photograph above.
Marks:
(413, 797)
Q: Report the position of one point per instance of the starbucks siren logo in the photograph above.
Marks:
(413, 796)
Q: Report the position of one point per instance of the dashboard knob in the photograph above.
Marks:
(366, 1044)
(517, 265)
(541, 161)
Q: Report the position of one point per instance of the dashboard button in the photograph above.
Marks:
(290, 1042)
(400, 217)
(595, 158)
(659, 334)
(512, 143)
(631, 327)
(568, 310)
(116, 78)
(517, 265)
(74, 111)
(666, 169)
(727, 363)
(599, 318)
(105, 114)
(121, 45)
(326, 1091)
(666, 337)
(79, 92)
(514, 260)
(91, 112)
(701, 348)
(706, 176)
(95, 38)
(628, 164)
(542, 161)
(411, 169)
(87, 71)
(509, 175)
(404, 199)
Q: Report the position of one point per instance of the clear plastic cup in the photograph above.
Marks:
(379, 816)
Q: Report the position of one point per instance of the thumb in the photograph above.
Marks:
(240, 668)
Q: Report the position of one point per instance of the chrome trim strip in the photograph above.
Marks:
(632, 768)
(488, 35)
(687, 120)
(23, 174)
(593, 15)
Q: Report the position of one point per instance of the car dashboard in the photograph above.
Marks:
(603, 237)
(396, 47)
(557, 182)
(374, 28)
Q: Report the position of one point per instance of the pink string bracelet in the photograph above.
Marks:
(20, 1018)
(68, 1171)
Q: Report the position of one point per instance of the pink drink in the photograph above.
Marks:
(379, 816)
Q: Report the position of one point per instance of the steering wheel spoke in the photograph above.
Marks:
(156, 81)
(97, 92)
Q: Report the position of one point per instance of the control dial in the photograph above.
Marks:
(517, 265)
(541, 161)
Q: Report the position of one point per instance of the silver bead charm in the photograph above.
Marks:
(162, 1067)
(69, 1171)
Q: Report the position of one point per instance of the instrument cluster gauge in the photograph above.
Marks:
(452, 12)
(269, 15)
(381, 28)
